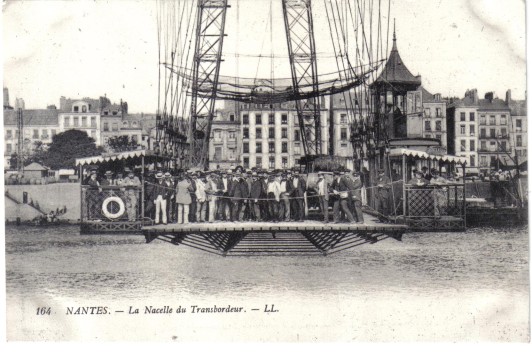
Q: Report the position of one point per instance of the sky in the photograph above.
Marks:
(93, 48)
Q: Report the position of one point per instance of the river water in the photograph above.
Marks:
(463, 286)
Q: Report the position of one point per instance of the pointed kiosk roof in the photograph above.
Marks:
(395, 71)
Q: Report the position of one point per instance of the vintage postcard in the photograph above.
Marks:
(265, 171)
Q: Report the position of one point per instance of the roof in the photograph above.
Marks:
(493, 104)
(110, 157)
(518, 108)
(33, 117)
(428, 97)
(35, 167)
(395, 71)
(424, 155)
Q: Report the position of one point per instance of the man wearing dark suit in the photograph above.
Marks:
(383, 184)
(298, 193)
(355, 185)
(340, 188)
(226, 186)
(238, 193)
(255, 194)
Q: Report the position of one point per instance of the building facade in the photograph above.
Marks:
(82, 116)
(519, 126)
(39, 125)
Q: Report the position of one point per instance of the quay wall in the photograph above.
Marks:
(49, 197)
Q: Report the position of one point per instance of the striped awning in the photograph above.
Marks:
(396, 152)
(110, 157)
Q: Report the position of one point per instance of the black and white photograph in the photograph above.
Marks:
(265, 171)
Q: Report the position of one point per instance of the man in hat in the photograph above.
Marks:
(192, 178)
(108, 181)
(323, 195)
(159, 194)
(418, 179)
(355, 186)
(340, 188)
(286, 189)
(131, 189)
(298, 196)
(120, 177)
(273, 190)
(426, 174)
(170, 197)
(201, 197)
(238, 194)
(264, 203)
(225, 185)
(255, 195)
(383, 184)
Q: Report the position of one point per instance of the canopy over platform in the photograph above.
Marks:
(398, 152)
(112, 157)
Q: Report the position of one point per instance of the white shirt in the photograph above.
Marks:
(321, 187)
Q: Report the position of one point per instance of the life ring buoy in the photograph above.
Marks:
(121, 207)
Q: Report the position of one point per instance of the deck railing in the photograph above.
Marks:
(111, 203)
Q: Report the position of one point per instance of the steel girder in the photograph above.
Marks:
(210, 27)
(302, 54)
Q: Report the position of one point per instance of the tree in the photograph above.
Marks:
(66, 147)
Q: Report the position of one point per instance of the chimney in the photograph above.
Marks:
(509, 96)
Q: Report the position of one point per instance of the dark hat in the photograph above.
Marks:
(127, 170)
(108, 172)
(93, 172)
(338, 172)
(424, 168)
(381, 171)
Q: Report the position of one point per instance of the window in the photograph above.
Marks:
(503, 132)
(76, 109)
(483, 146)
(492, 133)
(246, 160)
(84, 108)
(105, 126)
(93, 121)
(472, 145)
(427, 125)
(285, 162)
(503, 120)
(462, 116)
(493, 159)
(245, 119)
(438, 137)
(258, 162)
(231, 153)
(482, 132)
(438, 112)
(284, 132)
(518, 141)
(284, 119)
(462, 145)
(518, 124)
(297, 148)
(115, 126)
(271, 133)
(258, 133)
(472, 161)
(44, 134)
(343, 134)
(271, 119)
(271, 163)
(245, 133)
(343, 118)
(245, 147)
(296, 135)
(84, 121)
(54, 132)
(231, 117)
(217, 135)
(35, 134)
(217, 153)
(8, 134)
(503, 146)
(462, 129)
(271, 147)
(427, 112)
(482, 120)
(472, 130)
(483, 161)
(258, 149)
(76, 121)
(438, 125)
(67, 121)
(492, 119)
(134, 124)
(125, 124)
(9, 148)
(231, 135)
(284, 147)
(428, 136)
(17, 134)
(258, 119)
(472, 116)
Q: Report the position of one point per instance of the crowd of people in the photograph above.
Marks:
(253, 195)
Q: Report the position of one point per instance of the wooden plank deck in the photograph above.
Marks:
(270, 238)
